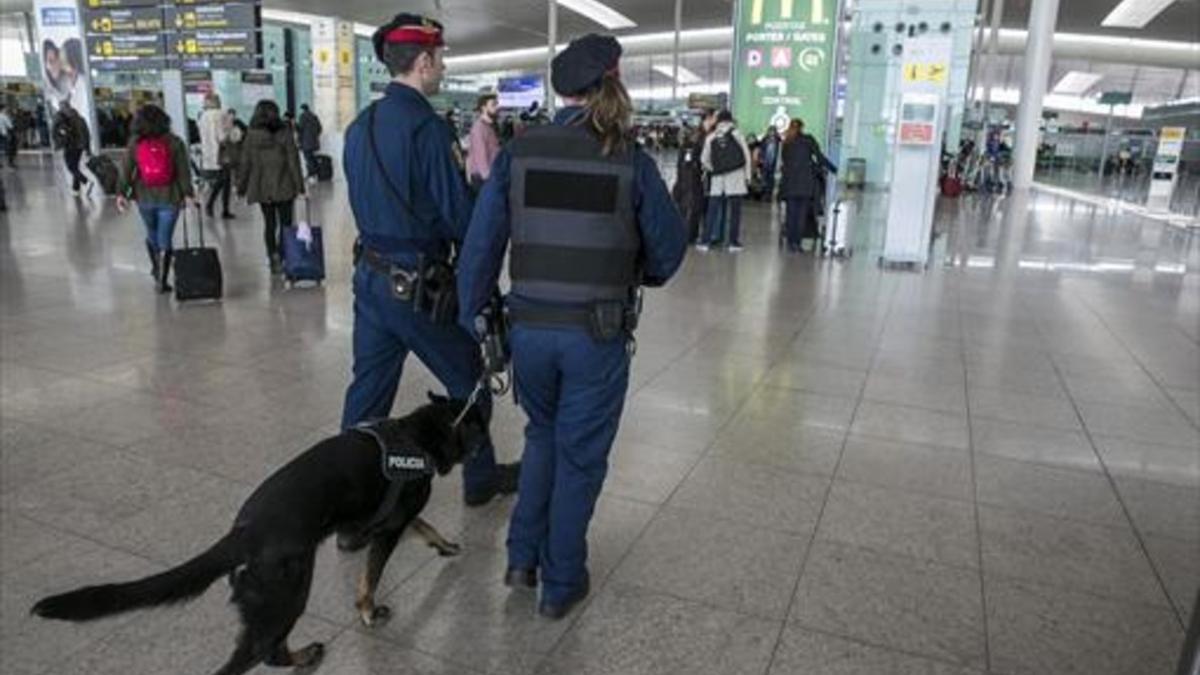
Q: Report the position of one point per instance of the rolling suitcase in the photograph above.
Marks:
(105, 172)
(197, 270)
(324, 168)
(303, 250)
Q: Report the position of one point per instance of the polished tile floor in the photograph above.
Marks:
(991, 466)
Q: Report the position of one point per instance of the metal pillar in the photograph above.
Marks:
(989, 63)
(553, 32)
(977, 52)
(675, 52)
(1043, 15)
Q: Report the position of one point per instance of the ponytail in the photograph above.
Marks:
(610, 113)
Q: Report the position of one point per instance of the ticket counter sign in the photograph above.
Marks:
(785, 54)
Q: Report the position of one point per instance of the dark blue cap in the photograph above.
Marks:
(584, 63)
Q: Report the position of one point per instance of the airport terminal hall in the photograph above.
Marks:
(600, 337)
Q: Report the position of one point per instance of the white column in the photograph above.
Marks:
(1043, 16)
(675, 51)
(553, 33)
(175, 102)
(989, 63)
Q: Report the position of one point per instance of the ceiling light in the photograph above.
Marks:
(1077, 83)
(685, 76)
(1134, 13)
(599, 12)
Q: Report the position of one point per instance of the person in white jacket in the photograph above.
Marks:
(726, 159)
(214, 134)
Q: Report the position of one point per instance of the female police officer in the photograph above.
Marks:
(590, 221)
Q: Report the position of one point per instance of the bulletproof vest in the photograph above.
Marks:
(574, 234)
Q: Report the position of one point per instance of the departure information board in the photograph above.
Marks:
(184, 34)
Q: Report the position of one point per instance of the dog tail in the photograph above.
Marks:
(179, 584)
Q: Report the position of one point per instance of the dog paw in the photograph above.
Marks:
(448, 549)
(309, 657)
(378, 615)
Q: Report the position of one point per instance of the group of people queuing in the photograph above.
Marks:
(718, 168)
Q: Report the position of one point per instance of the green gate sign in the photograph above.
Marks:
(783, 61)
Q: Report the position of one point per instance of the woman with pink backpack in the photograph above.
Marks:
(156, 174)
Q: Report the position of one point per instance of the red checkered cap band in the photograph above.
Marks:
(426, 36)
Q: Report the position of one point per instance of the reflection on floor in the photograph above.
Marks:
(988, 467)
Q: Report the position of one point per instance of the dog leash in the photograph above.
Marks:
(491, 382)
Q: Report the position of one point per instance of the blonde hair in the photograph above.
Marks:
(610, 114)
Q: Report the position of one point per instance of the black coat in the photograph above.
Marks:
(803, 168)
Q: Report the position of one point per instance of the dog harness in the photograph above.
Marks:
(401, 457)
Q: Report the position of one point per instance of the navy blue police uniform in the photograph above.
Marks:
(411, 204)
(586, 232)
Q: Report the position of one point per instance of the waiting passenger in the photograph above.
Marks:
(727, 159)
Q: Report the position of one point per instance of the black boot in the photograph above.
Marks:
(165, 273)
(150, 251)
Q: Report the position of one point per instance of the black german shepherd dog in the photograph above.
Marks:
(338, 486)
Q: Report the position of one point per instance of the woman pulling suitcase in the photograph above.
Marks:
(270, 175)
(156, 174)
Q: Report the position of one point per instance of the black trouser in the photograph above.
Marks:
(310, 162)
(797, 212)
(73, 158)
(220, 184)
(11, 143)
(276, 216)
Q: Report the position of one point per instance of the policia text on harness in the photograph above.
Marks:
(431, 286)
(575, 239)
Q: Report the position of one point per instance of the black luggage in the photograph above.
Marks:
(197, 270)
(324, 168)
(105, 171)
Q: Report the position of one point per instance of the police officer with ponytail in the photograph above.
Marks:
(589, 222)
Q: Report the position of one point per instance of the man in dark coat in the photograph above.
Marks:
(689, 193)
(309, 130)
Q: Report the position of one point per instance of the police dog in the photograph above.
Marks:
(338, 485)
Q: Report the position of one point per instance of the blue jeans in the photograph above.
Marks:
(159, 220)
(572, 388)
(718, 215)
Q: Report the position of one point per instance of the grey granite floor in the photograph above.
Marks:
(992, 466)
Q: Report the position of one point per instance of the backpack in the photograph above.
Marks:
(726, 154)
(154, 162)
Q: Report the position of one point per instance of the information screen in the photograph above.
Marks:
(521, 92)
(184, 34)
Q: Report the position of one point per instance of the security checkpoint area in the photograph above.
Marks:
(755, 337)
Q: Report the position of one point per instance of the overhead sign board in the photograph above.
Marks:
(784, 55)
(184, 34)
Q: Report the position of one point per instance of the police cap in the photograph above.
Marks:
(584, 63)
(412, 29)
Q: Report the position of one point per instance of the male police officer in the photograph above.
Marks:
(590, 221)
(410, 203)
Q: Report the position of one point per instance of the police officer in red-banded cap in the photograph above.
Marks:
(411, 204)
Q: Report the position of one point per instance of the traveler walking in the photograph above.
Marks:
(309, 130)
(726, 158)
(72, 136)
(411, 206)
(269, 175)
(590, 221)
(214, 134)
(8, 137)
(156, 173)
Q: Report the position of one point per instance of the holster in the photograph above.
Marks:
(435, 292)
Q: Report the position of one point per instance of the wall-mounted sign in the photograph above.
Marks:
(126, 51)
(230, 49)
(184, 34)
(1164, 174)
